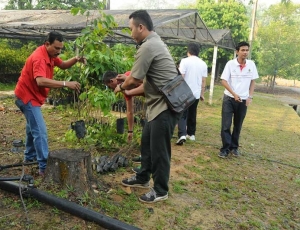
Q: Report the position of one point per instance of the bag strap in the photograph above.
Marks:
(155, 86)
(178, 71)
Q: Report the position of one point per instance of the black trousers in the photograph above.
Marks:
(187, 122)
(236, 111)
(156, 151)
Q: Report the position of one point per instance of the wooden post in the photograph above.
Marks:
(70, 167)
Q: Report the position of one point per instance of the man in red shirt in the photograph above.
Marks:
(111, 80)
(32, 89)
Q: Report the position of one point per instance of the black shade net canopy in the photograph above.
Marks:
(175, 26)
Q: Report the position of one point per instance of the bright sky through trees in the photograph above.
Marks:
(127, 4)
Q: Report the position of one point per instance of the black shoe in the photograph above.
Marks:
(235, 153)
(30, 162)
(133, 182)
(152, 197)
(223, 154)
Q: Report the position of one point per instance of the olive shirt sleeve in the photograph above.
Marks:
(143, 60)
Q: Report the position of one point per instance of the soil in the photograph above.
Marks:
(41, 216)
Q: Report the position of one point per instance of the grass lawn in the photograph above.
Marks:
(258, 190)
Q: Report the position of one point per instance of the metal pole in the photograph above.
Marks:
(213, 72)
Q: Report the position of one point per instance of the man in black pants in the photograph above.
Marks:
(238, 78)
(194, 72)
(154, 61)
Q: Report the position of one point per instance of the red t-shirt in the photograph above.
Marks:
(38, 64)
(127, 98)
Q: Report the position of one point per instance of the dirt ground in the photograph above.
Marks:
(45, 217)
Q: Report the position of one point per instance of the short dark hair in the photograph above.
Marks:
(142, 17)
(194, 49)
(108, 75)
(240, 44)
(54, 35)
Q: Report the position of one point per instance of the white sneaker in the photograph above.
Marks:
(181, 140)
(192, 138)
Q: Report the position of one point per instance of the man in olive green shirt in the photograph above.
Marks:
(154, 61)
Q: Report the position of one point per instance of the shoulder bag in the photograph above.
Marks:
(177, 94)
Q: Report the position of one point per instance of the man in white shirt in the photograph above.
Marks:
(194, 72)
(238, 78)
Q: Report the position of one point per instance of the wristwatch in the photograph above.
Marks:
(250, 97)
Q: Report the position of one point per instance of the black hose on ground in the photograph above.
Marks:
(10, 178)
(68, 206)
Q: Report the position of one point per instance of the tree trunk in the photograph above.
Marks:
(268, 81)
(273, 83)
(70, 168)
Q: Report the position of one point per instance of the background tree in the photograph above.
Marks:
(13, 54)
(51, 4)
(19, 5)
(224, 14)
(66, 4)
(278, 36)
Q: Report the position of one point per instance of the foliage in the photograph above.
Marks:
(95, 99)
(7, 86)
(19, 5)
(178, 52)
(229, 14)
(100, 134)
(100, 56)
(66, 4)
(13, 54)
(279, 53)
(98, 98)
(51, 4)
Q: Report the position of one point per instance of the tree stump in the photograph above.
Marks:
(70, 168)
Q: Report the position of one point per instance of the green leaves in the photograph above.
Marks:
(13, 54)
(223, 15)
(98, 98)
(279, 31)
(75, 10)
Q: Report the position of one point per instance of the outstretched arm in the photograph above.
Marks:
(129, 83)
(72, 61)
(138, 91)
(50, 83)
